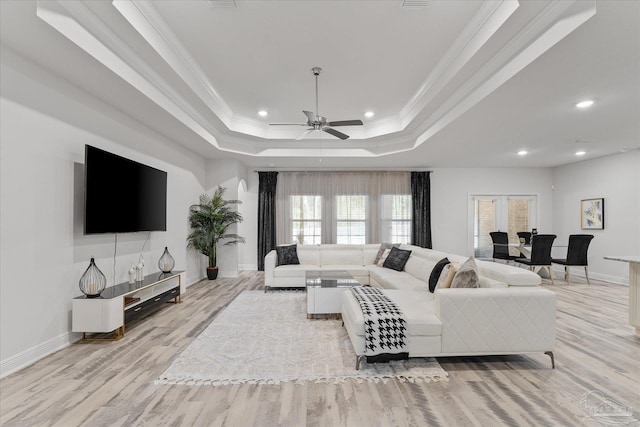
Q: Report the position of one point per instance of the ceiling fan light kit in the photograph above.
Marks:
(316, 122)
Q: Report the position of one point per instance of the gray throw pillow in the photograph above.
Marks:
(397, 259)
(467, 276)
(383, 247)
(287, 255)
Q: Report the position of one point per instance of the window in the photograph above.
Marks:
(510, 213)
(306, 219)
(351, 219)
(396, 218)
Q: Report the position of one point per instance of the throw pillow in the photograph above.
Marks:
(383, 258)
(397, 259)
(384, 247)
(467, 276)
(446, 277)
(287, 255)
(436, 273)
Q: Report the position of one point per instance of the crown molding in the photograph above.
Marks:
(550, 26)
(246, 136)
(80, 25)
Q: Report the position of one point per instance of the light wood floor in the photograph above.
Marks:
(111, 384)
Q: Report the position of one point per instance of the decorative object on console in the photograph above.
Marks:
(467, 276)
(132, 274)
(166, 261)
(397, 259)
(93, 282)
(140, 269)
(434, 277)
(592, 214)
(287, 255)
(209, 221)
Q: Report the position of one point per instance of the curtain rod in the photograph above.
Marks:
(344, 170)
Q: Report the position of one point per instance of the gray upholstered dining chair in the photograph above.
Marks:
(576, 254)
(540, 253)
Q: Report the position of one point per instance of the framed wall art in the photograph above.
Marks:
(592, 214)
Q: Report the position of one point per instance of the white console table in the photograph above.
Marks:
(120, 303)
(634, 287)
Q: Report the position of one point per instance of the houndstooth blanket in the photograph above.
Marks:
(385, 331)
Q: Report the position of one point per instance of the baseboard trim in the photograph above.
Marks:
(579, 272)
(228, 273)
(32, 355)
(248, 267)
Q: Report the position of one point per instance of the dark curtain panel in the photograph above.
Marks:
(421, 205)
(266, 215)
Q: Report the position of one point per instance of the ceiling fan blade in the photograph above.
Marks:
(305, 133)
(336, 133)
(310, 116)
(346, 123)
(288, 124)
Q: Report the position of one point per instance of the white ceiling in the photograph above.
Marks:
(452, 84)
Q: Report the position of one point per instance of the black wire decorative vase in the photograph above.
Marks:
(93, 282)
(166, 261)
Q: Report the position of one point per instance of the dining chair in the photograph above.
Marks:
(500, 241)
(576, 254)
(540, 253)
(526, 235)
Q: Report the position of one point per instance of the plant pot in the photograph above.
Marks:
(212, 273)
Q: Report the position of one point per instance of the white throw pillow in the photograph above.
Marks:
(446, 277)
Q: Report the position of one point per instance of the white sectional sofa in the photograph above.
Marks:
(508, 314)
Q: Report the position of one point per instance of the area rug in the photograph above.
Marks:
(267, 339)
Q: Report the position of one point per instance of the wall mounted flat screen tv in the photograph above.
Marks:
(121, 195)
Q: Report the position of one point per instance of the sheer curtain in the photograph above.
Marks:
(343, 207)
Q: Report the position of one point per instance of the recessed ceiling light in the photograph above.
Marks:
(580, 153)
(369, 114)
(262, 113)
(584, 104)
(522, 152)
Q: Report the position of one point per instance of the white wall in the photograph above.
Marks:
(450, 190)
(43, 252)
(248, 193)
(617, 179)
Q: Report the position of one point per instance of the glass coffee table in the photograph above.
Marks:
(324, 290)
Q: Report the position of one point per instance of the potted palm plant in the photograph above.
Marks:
(209, 221)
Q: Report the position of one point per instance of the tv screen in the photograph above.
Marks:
(122, 195)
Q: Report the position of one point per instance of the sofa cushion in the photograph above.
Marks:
(420, 267)
(369, 252)
(293, 270)
(397, 259)
(309, 254)
(467, 276)
(287, 255)
(341, 254)
(391, 279)
(417, 308)
(436, 272)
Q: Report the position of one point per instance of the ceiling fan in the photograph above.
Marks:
(318, 122)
